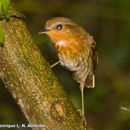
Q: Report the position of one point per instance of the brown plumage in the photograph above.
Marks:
(76, 50)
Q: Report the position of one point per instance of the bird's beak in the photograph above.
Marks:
(43, 31)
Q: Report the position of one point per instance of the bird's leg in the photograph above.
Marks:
(55, 64)
(82, 85)
(93, 81)
(82, 96)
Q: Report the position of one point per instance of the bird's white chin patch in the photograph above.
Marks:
(62, 42)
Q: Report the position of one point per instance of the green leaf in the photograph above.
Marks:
(2, 38)
(4, 5)
(0, 7)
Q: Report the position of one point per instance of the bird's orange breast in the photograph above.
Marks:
(66, 44)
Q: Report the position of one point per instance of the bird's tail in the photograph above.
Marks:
(90, 81)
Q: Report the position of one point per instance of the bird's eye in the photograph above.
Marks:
(59, 27)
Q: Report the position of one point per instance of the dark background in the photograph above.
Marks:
(109, 23)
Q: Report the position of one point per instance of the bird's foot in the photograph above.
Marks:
(80, 112)
(83, 120)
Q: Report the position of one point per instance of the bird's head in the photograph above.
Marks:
(59, 29)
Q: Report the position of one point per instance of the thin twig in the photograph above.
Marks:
(124, 108)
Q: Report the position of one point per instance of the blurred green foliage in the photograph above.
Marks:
(4, 5)
(109, 22)
(1, 35)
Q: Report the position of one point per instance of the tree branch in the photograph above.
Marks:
(28, 77)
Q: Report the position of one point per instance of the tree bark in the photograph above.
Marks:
(28, 77)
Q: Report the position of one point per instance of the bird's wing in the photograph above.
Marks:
(90, 81)
(94, 57)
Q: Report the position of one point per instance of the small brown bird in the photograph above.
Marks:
(76, 50)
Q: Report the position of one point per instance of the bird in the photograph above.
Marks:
(76, 50)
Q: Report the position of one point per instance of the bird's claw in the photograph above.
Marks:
(83, 120)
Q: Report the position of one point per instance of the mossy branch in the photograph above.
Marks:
(28, 77)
